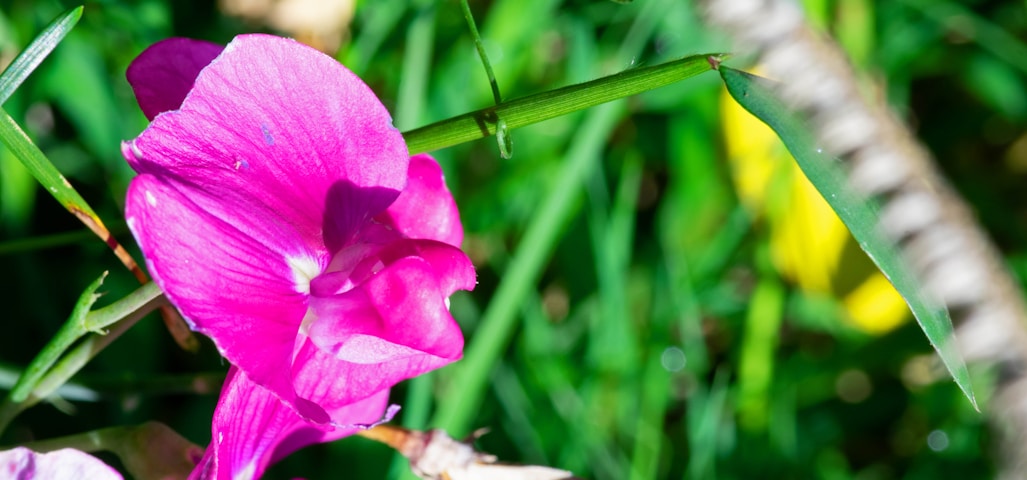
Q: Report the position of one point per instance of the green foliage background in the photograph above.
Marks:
(612, 242)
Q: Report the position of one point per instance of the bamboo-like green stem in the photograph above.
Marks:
(544, 106)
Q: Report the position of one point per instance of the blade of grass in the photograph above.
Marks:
(33, 55)
(19, 143)
(489, 342)
(613, 343)
(759, 342)
(36, 162)
(706, 426)
(413, 84)
(502, 131)
(991, 37)
(655, 394)
(859, 214)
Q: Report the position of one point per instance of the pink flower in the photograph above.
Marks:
(24, 464)
(277, 208)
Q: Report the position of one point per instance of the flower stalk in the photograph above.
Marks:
(525, 111)
(52, 368)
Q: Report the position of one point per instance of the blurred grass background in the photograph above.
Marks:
(660, 295)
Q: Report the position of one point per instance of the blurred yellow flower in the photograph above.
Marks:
(809, 244)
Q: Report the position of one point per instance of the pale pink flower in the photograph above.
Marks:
(65, 464)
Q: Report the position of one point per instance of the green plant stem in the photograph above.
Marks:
(120, 316)
(50, 369)
(480, 46)
(544, 106)
(69, 333)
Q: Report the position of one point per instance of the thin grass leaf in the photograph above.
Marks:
(540, 238)
(15, 139)
(859, 214)
(33, 55)
(706, 427)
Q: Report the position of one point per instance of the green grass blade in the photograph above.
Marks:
(14, 138)
(498, 322)
(33, 55)
(759, 342)
(859, 214)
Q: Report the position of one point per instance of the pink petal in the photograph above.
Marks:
(164, 73)
(230, 275)
(280, 122)
(392, 327)
(452, 270)
(252, 429)
(24, 464)
(426, 209)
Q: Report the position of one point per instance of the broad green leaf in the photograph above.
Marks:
(860, 215)
(33, 55)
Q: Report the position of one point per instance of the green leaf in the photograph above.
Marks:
(34, 54)
(14, 138)
(21, 145)
(859, 214)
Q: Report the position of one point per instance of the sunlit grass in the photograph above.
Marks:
(629, 320)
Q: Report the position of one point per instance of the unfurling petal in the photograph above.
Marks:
(253, 429)
(426, 209)
(392, 327)
(286, 126)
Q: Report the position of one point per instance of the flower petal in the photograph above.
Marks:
(239, 279)
(290, 127)
(164, 73)
(392, 327)
(451, 268)
(426, 209)
(24, 464)
(253, 429)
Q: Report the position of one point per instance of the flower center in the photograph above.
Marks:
(304, 269)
